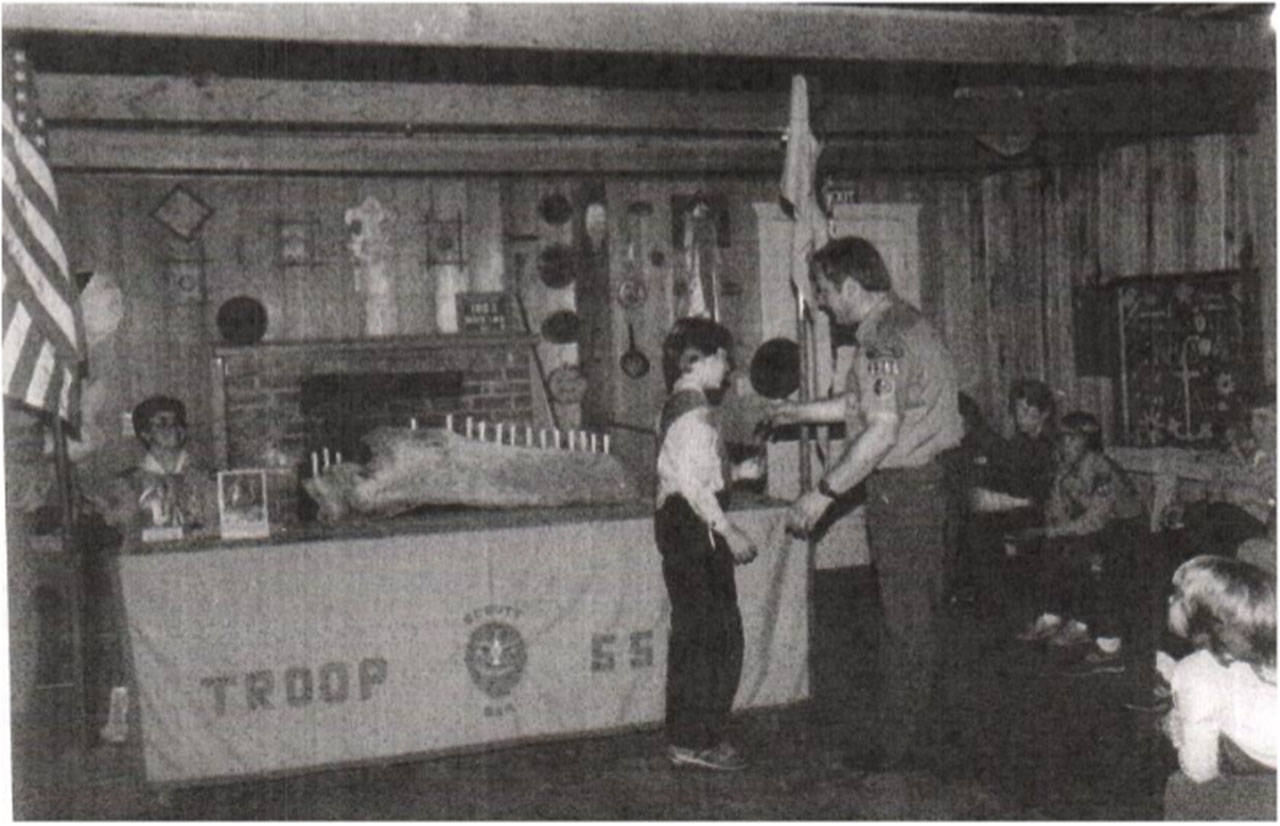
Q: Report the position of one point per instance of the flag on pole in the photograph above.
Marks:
(42, 347)
(809, 232)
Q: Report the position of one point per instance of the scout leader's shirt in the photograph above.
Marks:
(903, 368)
(691, 454)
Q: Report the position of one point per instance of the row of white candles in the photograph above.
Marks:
(576, 440)
(503, 433)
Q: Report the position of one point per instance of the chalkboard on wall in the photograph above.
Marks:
(1190, 350)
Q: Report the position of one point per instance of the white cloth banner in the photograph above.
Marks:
(250, 660)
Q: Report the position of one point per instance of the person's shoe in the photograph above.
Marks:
(1042, 629)
(1072, 633)
(1098, 661)
(724, 758)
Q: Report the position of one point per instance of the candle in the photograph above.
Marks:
(315, 464)
(573, 438)
(557, 440)
(499, 431)
(542, 437)
(469, 427)
(337, 457)
(413, 424)
(528, 436)
(326, 458)
(593, 443)
(606, 443)
(481, 431)
(448, 422)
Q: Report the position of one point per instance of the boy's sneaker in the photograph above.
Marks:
(1073, 633)
(724, 758)
(1042, 629)
(1098, 661)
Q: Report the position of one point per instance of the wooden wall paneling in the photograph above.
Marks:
(1216, 235)
(1124, 217)
(1256, 175)
(484, 233)
(997, 238)
(949, 269)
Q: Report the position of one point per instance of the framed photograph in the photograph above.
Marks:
(242, 504)
(444, 242)
(483, 312)
(182, 213)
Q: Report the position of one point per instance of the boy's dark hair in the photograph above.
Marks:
(147, 410)
(1080, 423)
(851, 257)
(1230, 608)
(1035, 393)
(697, 334)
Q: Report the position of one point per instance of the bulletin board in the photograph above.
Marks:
(1190, 349)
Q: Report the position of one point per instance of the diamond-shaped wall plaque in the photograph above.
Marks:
(182, 212)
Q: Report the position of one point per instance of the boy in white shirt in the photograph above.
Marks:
(700, 545)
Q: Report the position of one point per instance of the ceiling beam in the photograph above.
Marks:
(1115, 109)
(165, 151)
(786, 31)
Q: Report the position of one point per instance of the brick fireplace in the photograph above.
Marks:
(302, 396)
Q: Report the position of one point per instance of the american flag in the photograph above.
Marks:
(42, 348)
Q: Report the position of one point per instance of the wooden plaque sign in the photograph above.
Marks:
(484, 312)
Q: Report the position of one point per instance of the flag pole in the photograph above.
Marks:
(802, 335)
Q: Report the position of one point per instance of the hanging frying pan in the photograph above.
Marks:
(775, 368)
(633, 362)
(557, 266)
(555, 209)
(561, 327)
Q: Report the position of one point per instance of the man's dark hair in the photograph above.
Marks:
(696, 334)
(148, 408)
(1035, 393)
(851, 257)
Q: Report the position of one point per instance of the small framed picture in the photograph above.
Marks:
(242, 504)
(482, 312)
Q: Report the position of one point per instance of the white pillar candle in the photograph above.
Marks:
(315, 464)
(542, 437)
(606, 443)
(337, 457)
(593, 443)
(469, 427)
(448, 422)
(326, 458)
(498, 439)
(413, 424)
(573, 440)
(557, 439)
(481, 431)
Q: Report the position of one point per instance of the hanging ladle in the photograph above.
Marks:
(634, 363)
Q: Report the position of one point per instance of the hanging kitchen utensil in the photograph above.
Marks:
(557, 266)
(555, 209)
(775, 368)
(561, 327)
(633, 362)
(631, 292)
(242, 320)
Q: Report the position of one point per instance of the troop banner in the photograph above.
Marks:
(258, 659)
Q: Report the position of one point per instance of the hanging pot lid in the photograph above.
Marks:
(561, 327)
(557, 266)
(242, 320)
(775, 368)
(555, 209)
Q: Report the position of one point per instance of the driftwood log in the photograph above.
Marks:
(413, 468)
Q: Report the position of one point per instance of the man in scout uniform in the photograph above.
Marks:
(901, 412)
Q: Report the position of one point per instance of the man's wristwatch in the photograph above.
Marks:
(826, 490)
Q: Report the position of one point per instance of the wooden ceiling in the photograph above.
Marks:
(684, 88)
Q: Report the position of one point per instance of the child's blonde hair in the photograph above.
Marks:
(1229, 608)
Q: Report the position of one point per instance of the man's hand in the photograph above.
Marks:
(780, 413)
(741, 545)
(806, 511)
(749, 469)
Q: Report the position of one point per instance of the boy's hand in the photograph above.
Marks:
(780, 413)
(741, 545)
(805, 512)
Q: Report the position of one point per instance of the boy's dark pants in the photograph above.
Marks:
(704, 652)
